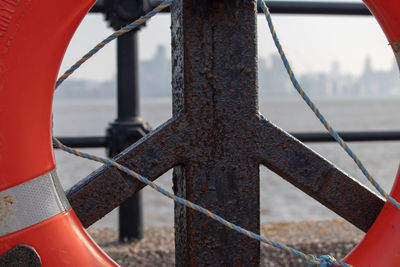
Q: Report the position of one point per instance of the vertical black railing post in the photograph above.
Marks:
(128, 126)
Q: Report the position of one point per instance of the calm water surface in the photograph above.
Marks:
(280, 201)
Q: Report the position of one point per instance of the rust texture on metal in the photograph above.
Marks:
(21, 255)
(216, 141)
(106, 188)
(214, 56)
(316, 176)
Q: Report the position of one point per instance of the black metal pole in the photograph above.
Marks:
(127, 129)
(130, 212)
(128, 85)
(299, 7)
(317, 8)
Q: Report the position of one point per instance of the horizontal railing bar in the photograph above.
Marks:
(349, 136)
(293, 7)
(101, 141)
(317, 8)
(84, 142)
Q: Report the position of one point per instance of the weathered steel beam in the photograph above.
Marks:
(218, 139)
(214, 55)
(106, 188)
(317, 177)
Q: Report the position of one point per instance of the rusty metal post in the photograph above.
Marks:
(215, 116)
(214, 57)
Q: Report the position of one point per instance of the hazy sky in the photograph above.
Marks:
(312, 43)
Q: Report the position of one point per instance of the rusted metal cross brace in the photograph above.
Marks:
(216, 141)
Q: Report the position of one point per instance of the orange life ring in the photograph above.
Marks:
(33, 38)
(33, 207)
(381, 245)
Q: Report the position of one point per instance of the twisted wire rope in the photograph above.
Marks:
(311, 260)
(316, 111)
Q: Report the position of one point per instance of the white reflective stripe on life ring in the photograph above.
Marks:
(30, 203)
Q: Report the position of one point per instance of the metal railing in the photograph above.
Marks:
(359, 136)
(290, 7)
(127, 128)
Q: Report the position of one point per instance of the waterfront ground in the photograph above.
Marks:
(335, 237)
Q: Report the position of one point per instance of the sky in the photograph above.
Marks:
(311, 42)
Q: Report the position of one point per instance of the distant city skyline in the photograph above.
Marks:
(272, 79)
(311, 42)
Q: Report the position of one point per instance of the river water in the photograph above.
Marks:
(280, 201)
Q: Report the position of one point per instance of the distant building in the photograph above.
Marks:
(274, 81)
(374, 83)
(155, 75)
(155, 81)
(272, 78)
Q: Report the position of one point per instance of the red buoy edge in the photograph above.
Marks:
(381, 245)
(33, 39)
(387, 13)
(33, 209)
